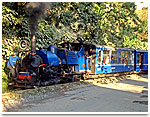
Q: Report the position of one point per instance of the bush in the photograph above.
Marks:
(8, 47)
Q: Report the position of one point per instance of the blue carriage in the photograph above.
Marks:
(141, 60)
(113, 59)
(106, 60)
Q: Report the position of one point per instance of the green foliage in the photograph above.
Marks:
(103, 23)
(12, 15)
(78, 17)
(9, 21)
(14, 28)
(25, 32)
(134, 43)
(4, 76)
(8, 47)
(49, 33)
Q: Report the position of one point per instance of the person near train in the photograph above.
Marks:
(90, 56)
(107, 60)
(126, 60)
(11, 64)
(112, 59)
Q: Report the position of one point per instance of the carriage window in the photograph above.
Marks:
(99, 57)
(138, 58)
(106, 56)
(128, 57)
(114, 57)
(121, 57)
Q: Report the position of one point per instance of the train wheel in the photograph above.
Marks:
(49, 75)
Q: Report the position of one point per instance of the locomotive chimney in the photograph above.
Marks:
(33, 43)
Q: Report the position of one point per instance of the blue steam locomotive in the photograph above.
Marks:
(62, 64)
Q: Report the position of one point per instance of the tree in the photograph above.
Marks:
(107, 23)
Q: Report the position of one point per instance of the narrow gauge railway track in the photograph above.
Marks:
(112, 77)
(92, 76)
(85, 77)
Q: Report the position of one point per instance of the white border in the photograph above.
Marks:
(91, 113)
(148, 50)
(145, 1)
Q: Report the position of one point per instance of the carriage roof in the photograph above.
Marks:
(108, 47)
(104, 46)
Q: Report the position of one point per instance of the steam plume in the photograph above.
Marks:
(36, 10)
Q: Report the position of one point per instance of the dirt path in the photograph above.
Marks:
(128, 95)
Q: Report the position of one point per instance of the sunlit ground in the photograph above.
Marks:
(138, 78)
(127, 86)
(132, 83)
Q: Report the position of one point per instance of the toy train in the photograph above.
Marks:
(62, 64)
